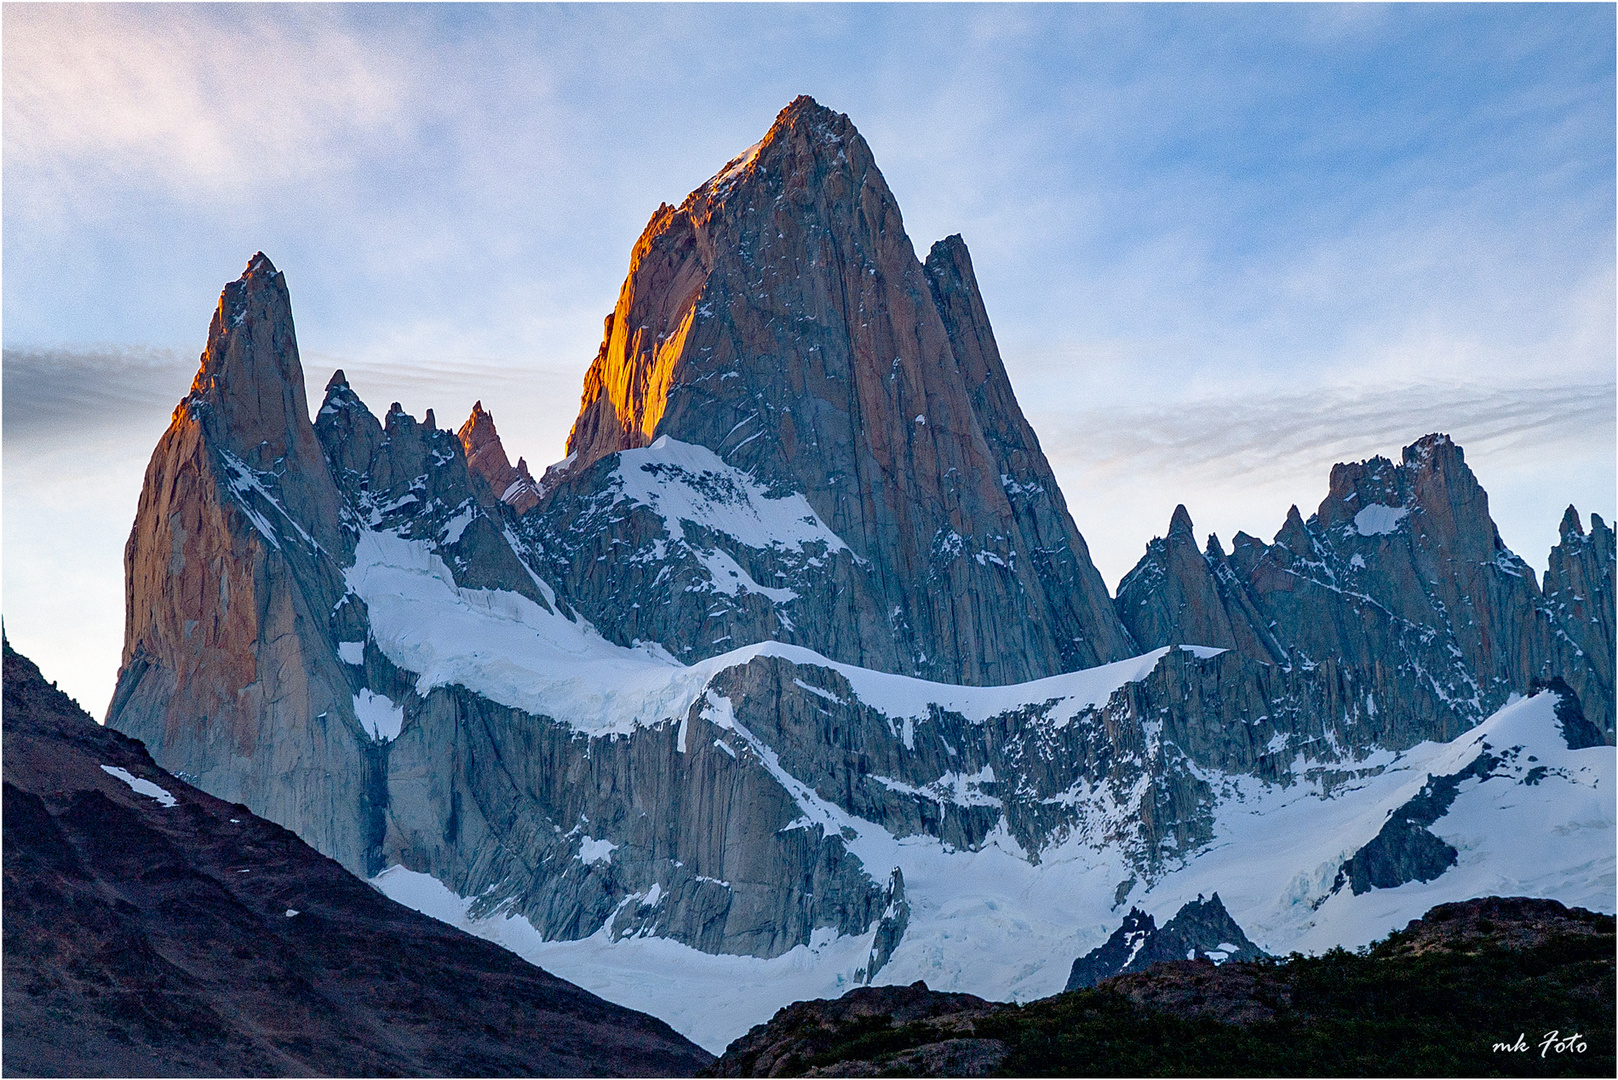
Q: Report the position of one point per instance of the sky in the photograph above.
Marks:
(1222, 247)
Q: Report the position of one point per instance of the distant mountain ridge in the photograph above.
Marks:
(1401, 581)
(1200, 930)
(673, 689)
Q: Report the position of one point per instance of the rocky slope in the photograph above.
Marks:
(151, 929)
(1445, 996)
(780, 319)
(1202, 929)
(1400, 590)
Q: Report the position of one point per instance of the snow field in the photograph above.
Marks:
(992, 923)
(989, 922)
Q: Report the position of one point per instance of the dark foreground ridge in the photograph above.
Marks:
(1431, 1000)
(197, 939)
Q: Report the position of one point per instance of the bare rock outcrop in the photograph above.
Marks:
(1579, 597)
(485, 456)
(1401, 585)
(1200, 930)
(779, 317)
(790, 1043)
(233, 565)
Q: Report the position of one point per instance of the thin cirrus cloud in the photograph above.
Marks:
(102, 96)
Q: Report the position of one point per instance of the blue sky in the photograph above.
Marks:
(1222, 246)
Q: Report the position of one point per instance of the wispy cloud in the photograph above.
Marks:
(1236, 436)
(211, 106)
(1238, 461)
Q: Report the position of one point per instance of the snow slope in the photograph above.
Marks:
(510, 650)
(991, 922)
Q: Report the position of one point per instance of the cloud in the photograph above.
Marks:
(1238, 460)
(211, 105)
(1234, 437)
(63, 394)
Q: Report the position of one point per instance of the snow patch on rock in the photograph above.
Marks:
(378, 715)
(685, 483)
(141, 787)
(1379, 520)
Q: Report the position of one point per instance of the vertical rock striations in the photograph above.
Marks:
(1179, 594)
(779, 318)
(1579, 599)
(229, 674)
(486, 457)
(1399, 590)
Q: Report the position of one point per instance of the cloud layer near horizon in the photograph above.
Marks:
(80, 426)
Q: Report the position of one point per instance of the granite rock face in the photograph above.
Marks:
(233, 568)
(1200, 930)
(1399, 583)
(412, 480)
(1578, 594)
(486, 456)
(780, 318)
(686, 828)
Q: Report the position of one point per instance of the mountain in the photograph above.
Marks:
(152, 929)
(233, 571)
(1202, 929)
(780, 320)
(1470, 989)
(1400, 588)
(658, 731)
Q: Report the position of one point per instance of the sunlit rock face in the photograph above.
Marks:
(1400, 585)
(486, 456)
(779, 317)
(233, 568)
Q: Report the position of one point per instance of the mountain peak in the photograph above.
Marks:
(804, 112)
(1180, 523)
(1571, 525)
(260, 266)
(1436, 447)
(779, 317)
(248, 392)
(486, 456)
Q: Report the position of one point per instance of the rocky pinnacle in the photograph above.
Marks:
(779, 316)
(487, 457)
(232, 570)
